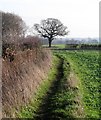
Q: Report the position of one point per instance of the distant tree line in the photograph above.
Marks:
(87, 44)
(83, 46)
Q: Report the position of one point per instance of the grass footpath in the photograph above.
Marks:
(29, 110)
(58, 98)
(60, 103)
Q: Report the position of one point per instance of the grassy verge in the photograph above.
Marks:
(61, 101)
(57, 96)
(29, 110)
(58, 103)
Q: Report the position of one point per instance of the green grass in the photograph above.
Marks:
(60, 101)
(56, 46)
(53, 97)
(29, 110)
(86, 66)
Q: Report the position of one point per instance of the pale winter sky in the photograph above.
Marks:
(80, 16)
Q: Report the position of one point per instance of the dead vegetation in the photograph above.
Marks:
(24, 64)
(21, 78)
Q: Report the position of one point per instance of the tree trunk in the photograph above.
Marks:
(50, 43)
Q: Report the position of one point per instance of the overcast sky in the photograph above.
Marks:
(80, 16)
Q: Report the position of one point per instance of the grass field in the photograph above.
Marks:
(56, 46)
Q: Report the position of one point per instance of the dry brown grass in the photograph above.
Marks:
(21, 78)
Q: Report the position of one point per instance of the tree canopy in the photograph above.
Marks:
(50, 28)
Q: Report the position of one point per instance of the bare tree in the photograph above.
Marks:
(50, 28)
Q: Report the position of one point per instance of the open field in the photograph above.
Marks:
(86, 65)
(72, 89)
(61, 46)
